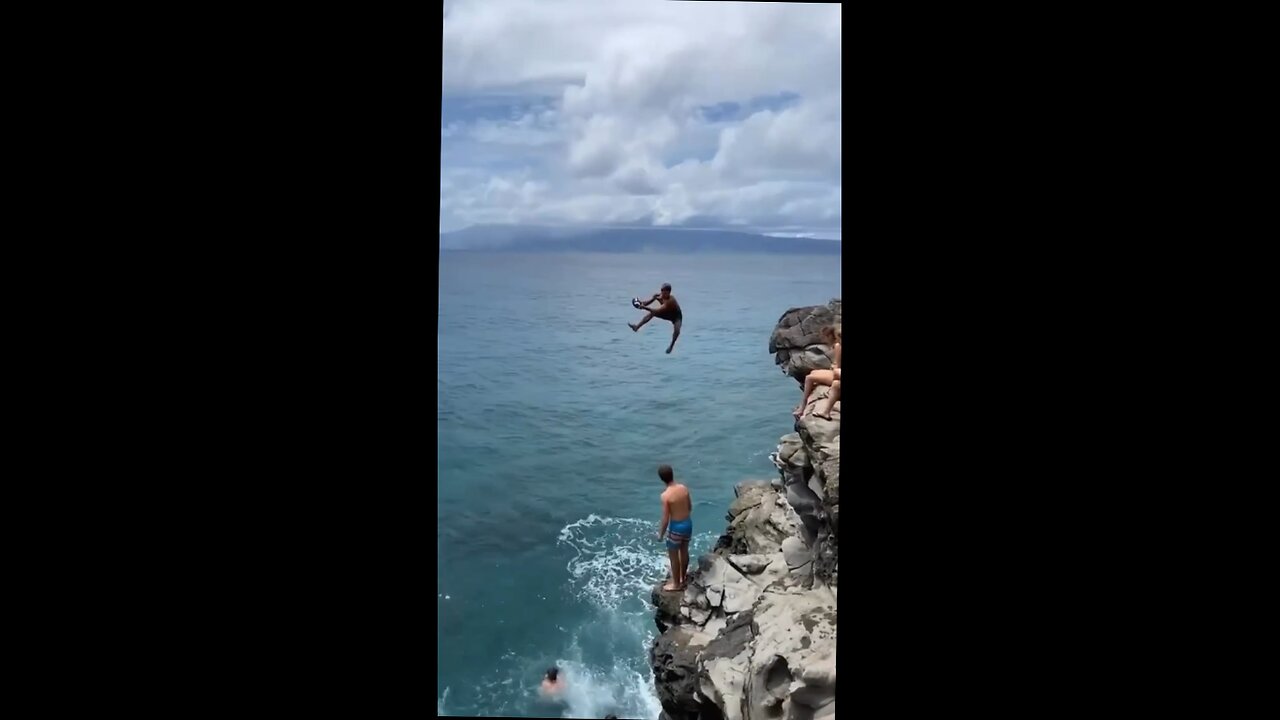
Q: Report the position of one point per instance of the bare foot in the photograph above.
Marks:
(670, 587)
(633, 327)
(798, 410)
(673, 347)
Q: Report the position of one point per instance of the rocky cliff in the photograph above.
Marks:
(754, 633)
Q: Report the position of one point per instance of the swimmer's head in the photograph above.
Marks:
(553, 673)
(666, 289)
(664, 472)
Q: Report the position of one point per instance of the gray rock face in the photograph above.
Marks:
(829, 474)
(750, 564)
(668, 607)
(675, 672)
(753, 635)
(809, 462)
(816, 432)
(733, 639)
(795, 553)
(793, 664)
(791, 453)
(758, 521)
(749, 497)
(795, 342)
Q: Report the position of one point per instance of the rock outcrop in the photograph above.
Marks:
(795, 343)
(754, 633)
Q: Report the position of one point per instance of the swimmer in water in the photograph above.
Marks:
(552, 684)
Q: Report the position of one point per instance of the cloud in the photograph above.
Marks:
(637, 178)
(803, 141)
(639, 111)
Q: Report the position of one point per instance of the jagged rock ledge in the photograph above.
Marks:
(754, 633)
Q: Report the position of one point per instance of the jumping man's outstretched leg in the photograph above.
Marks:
(675, 335)
(647, 318)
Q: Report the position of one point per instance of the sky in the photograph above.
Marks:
(642, 113)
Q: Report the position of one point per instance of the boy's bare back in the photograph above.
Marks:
(676, 496)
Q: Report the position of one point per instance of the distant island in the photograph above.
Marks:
(533, 239)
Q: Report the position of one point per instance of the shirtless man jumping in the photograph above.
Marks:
(677, 507)
(668, 309)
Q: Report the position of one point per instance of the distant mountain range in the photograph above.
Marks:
(533, 239)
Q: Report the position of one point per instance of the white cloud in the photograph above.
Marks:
(673, 207)
(608, 120)
(803, 140)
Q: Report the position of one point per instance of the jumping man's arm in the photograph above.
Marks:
(666, 515)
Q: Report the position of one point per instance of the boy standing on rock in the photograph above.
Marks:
(677, 508)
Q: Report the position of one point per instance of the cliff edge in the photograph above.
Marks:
(754, 633)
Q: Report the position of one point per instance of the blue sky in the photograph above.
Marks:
(643, 112)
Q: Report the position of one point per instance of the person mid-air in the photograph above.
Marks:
(668, 309)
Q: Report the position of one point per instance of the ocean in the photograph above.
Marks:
(552, 419)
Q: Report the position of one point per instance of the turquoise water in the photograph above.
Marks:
(553, 417)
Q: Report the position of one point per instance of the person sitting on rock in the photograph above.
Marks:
(552, 684)
(832, 398)
(669, 310)
(677, 508)
(831, 336)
